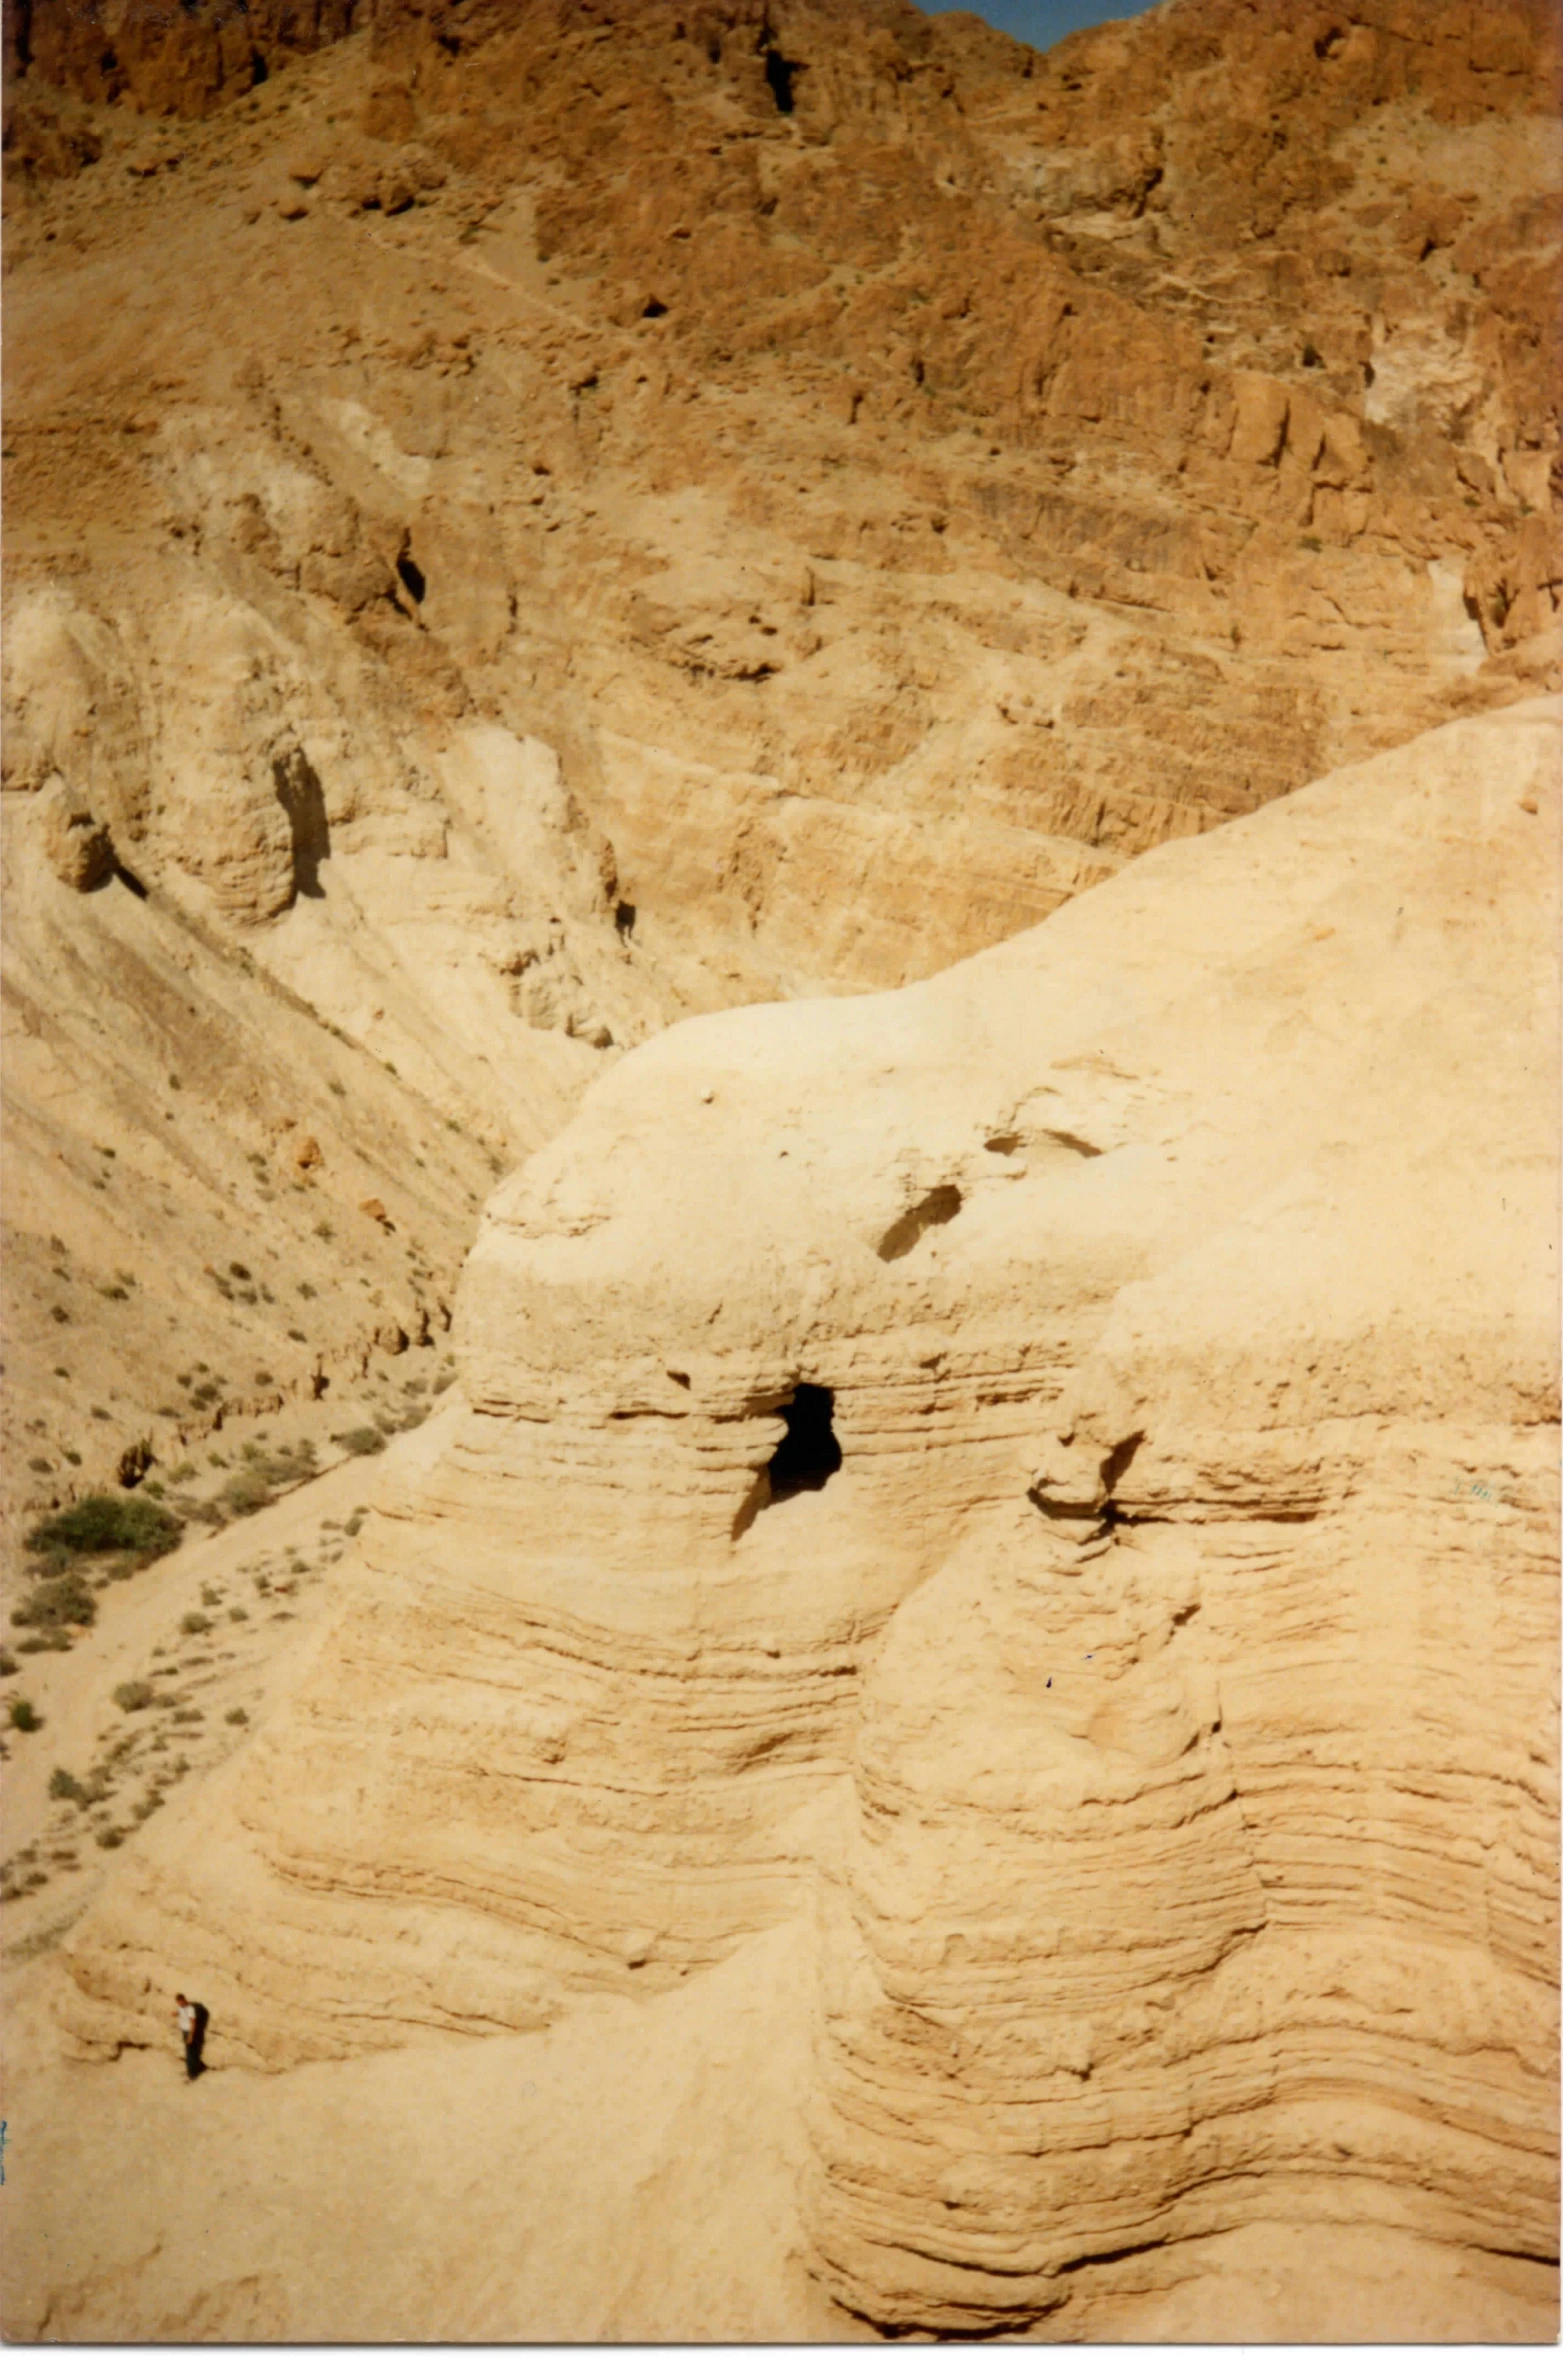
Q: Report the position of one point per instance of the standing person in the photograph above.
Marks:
(191, 2019)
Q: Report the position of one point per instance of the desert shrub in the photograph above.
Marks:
(72, 1457)
(238, 1717)
(187, 1716)
(64, 1787)
(23, 1717)
(362, 1441)
(354, 1524)
(143, 1809)
(246, 1492)
(135, 1694)
(54, 1641)
(444, 1380)
(101, 1525)
(54, 1602)
(237, 1613)
(195, 1624)
(109, 1838)
(38, 1465)
(7, 1663)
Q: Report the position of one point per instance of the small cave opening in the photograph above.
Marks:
(808, 1453)
(411, 577)
(655, 308)
(779, 74)
(624, 920)
(259, 70)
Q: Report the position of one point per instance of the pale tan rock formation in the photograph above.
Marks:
(896, 477)
(1152, 1710)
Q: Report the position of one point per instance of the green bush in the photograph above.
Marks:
(64, 1787)
(238, 1717)
(135, 1695)
(195, 1625)
(362, 1441)
(110, 1838)
(64, 1598)
(247, 1492)
(23, 1717)
(100, 1525)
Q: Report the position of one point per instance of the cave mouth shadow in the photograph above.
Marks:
(303, 799)
(808, 1453)
(806, 1456)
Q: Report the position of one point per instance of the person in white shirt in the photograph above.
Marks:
(189, 2017)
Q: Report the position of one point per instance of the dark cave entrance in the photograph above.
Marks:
(808, 1452)
(779, 73)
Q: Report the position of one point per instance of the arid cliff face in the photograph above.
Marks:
(525, 527)
(998, 1512)
(1047, 1478)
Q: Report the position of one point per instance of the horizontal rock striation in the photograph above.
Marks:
(1049, 1476)
(601, 511)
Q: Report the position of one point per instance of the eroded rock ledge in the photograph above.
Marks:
(1151, 1707)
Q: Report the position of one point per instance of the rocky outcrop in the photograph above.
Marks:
(594, 514)
(1050, 1477)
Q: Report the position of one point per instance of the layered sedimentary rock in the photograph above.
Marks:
(894, 477)
(1048, 1476)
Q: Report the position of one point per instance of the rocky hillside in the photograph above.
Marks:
(521, 525)
(1044, 1483)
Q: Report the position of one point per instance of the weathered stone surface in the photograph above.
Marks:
(1153, 1706)
(882, 481)
(78, 847)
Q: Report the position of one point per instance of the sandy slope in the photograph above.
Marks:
(631, 2172)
